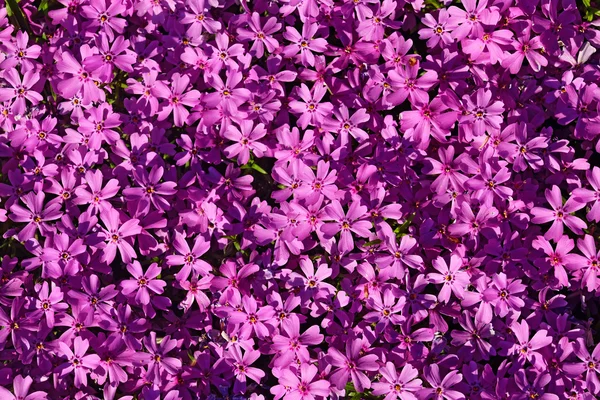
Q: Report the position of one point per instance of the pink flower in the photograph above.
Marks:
(143, 282)
(453, 279)
(398, 386)
(351, 365)
(346, 223)
(560, 215)
(21, 90)
(36, 215)
(77, 361)
(176, 98)
(310, 109)
(262, 36)
(242, 368)
(305, 386)
(247, 140)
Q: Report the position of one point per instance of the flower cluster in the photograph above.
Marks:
(307, 199)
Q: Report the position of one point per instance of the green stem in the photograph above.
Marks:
(22, 22)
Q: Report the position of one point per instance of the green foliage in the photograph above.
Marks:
(352, 394)
(16, 16)
(590, 9)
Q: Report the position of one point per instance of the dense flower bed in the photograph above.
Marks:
(299, 199)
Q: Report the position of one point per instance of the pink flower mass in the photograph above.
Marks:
(299, 200)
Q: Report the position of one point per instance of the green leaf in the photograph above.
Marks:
(433, 3)
(586, 3)
(257, 167)
(373, 242)
(13, 9)
(44, 5)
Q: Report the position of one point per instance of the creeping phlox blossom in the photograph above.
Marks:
(299, 200)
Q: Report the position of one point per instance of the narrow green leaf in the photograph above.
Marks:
(257, 167)
(14, 9)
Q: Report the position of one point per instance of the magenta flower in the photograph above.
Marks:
(439, 30)
(559, 258)
(104, 14)
(242, 369)
(97, 197)
(507, 294)
(590, 364)
(441, 387)
(524, 347)
(398, 386)
(21, 90)
(176, 98)
(21, 387)
(472, 340)
(158, 360)
(77, 361)
(253, 318)
(525, 47)
(294, 345)
(351, 366)
(385, 311)
(247, 140)
(304, 43)
(451, 277)
(36, 215)
(143, 282)
(310, 109)
(305, 386)
(199, 19)
(115, 55)
(473, 18)
(21, 53)
(560, 214)
(429, 119)
(485, 114)
(227, 94)
(347, 223)
(49, 303)
(189, 258)
(78, 81)
(118, 236)
(260, 34)
(584, 195)
(152, 191)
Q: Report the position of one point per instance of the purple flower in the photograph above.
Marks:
(451, 277)
(305, 386)
(310, 109)
(117, 236)
(21, 387)
(441, 386)
(351, 365)
(189, 258)
(560, 214)
(36, 215)
(304, 43)
(346, 223)
(143, 282)
(176, 98)
(253, 318)
(158, 361)
(247, 140)
(584, 195)
(21, 90)
(398, 386)
(77, 361)
(242, 369)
